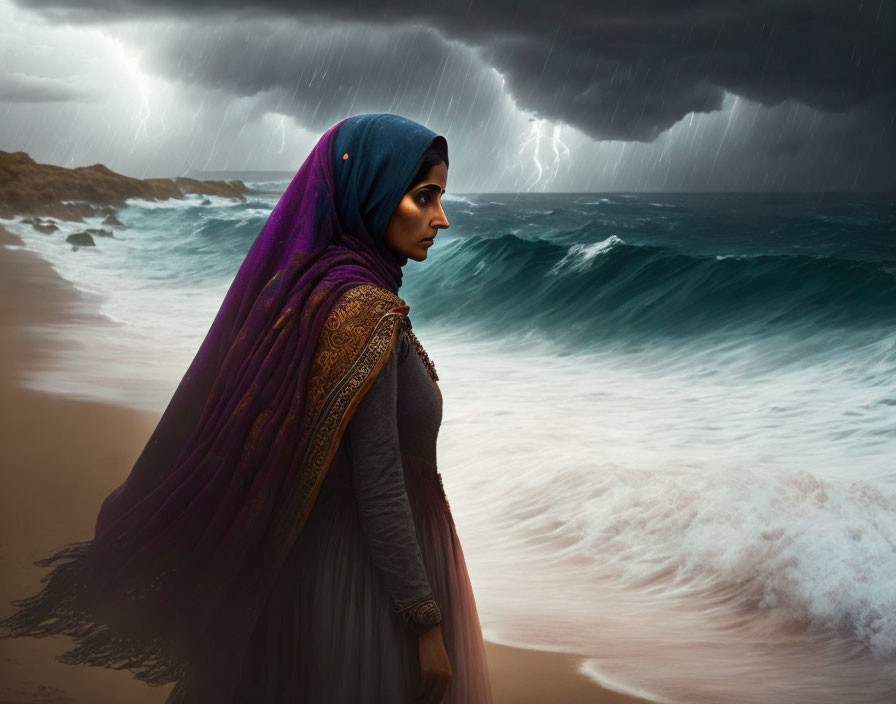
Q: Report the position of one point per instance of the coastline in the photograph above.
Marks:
(60, 459)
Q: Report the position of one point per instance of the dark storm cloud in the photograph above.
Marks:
(22, 88)
(617, 70)
(318, 73)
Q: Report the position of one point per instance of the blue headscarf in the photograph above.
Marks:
(384, 152)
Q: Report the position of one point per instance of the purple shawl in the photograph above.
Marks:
(178, 571)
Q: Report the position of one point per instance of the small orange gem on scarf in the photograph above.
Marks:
(345, 156)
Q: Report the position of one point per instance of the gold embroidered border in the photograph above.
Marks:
(356, 341)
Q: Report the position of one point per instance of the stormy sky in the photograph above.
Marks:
(575, 95)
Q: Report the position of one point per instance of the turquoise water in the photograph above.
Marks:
(670, 419)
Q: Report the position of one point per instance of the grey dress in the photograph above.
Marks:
(377, 561)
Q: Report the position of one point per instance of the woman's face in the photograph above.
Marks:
(419, 215)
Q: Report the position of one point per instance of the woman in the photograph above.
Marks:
(284, 535)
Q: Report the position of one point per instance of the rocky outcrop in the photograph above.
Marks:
(45, 226)
(45, 190)
(81, 239)
(225, 189)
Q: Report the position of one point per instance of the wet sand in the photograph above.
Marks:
(61, 457)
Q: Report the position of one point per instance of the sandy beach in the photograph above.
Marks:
(61, 457)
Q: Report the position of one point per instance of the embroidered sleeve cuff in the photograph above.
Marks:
(421, 615)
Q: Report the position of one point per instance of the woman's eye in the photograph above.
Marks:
(423, 198)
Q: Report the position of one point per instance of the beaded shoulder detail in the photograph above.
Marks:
(427, 362)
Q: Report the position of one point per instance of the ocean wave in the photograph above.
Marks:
(189, 201)
(818, 550)
(452, 198)
(611, 288)
(580, 256)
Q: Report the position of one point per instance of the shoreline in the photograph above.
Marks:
(44, 505)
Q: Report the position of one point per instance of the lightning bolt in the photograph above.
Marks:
(282, 134)
(142, 108)
(534, 139)
(543, 173)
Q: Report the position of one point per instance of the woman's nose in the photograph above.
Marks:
(441, 221)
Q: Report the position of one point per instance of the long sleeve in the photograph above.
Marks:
(385, 513)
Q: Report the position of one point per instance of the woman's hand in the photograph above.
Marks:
(435, 667)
